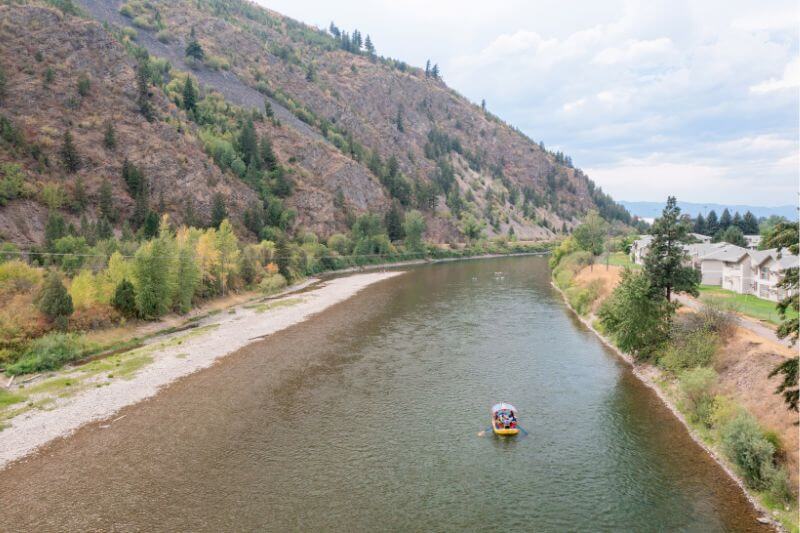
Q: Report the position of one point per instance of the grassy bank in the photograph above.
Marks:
(683, 369)
(746, 304)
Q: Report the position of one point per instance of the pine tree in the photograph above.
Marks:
(133, 178)
(106, 201)
(268, 158)
(193, 48)
(428, 69)
(218, 210)
(750, 224)
(375, 164)
(282, 258)
(369, 47)
(143, 92)
(54, 229)
(725, 220)
(699, 224)
(54, 301)
(394, 223)
(189, 95)
(399, 119)
(110, 137)
(664, 263)
(435, 71)
(141, 208)
(124, 299)
(69, 154)
(103, 229)
(268, 111)
(712, 223)
(79, 199)
(334, 30)
(737, 220)
(248, 144)
(150, 225)
(3, 84)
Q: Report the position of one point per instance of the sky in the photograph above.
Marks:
(697, 99)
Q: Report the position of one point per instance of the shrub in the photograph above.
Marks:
(165, 36)
(16, 276)
(124, 299)
(272, 283)
(697, 387)
(54, 301)
(745, 445)
(12, 182)
(340, 243)
(217, 63)
(695, 349)
(50, 352)
(581, 299)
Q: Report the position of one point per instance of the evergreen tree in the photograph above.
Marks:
(370, 48)
(141, 208)
(189, 95)
(106, 202)
(749, 224)
(428, 68)
(143, 92)
(737, 220)
(248, 144)
(69, 154)
(375, 164)
(193, 48)
(725, 220)
(218, 210)
(394, 223)
(399, 119)
(133, 178)
(357, 41)
(712, 223)
(54, 301)
(54, 229)
(103, 229)
(784, 235)
(435, 71)
(268, 111)
(282, 258)
(110, 137)
(79, 199)
(124, 299)
(282, 186)
(268, 158)
(700, 224)
(664, 263)
(335, 31)
(150, 225)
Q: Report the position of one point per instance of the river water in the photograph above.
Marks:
(367, 418)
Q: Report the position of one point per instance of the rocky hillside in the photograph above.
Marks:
(349, 131)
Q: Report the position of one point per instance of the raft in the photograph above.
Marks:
(504, 410)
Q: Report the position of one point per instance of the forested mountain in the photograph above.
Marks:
(112, 113)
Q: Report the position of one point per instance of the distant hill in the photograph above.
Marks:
(342, 130)
(653, 209)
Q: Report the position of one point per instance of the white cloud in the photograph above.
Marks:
(705, 92)
(789, 80)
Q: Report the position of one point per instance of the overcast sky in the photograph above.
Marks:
(650, 98)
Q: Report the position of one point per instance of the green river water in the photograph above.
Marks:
(366, 418)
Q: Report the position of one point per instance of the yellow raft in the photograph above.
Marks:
(504, 420)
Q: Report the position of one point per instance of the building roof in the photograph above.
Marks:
(759, 256)
(700, 249)
(729, 253)
(644, 240)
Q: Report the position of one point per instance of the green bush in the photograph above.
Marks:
(697, 387)
(272, 283)
(50, 352)
(124, 299)
(581, 299)
(744, 444)
(54, 301)
(693, 350)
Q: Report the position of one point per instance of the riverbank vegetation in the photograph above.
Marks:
(81, 281)
(634, 308)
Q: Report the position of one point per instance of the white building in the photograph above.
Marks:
(753, 241)
(639, 249)
(722, 266)
(768, 269)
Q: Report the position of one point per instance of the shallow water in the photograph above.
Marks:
(366, 418)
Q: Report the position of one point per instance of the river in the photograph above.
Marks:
(367, 418)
